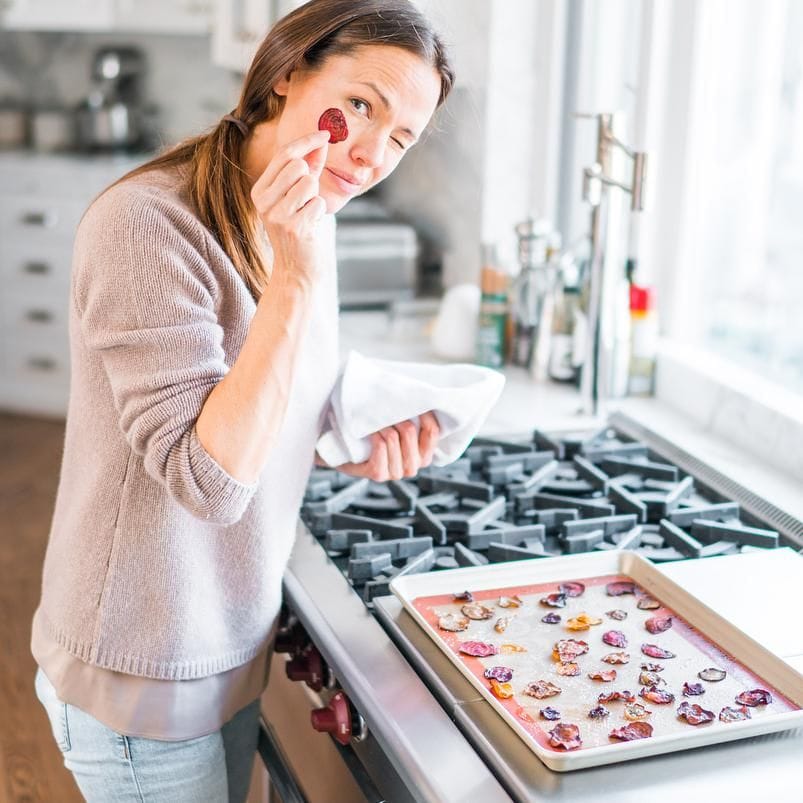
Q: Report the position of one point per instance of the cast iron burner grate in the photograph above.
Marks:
(508, 500)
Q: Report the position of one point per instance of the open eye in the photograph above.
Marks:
(358, 102)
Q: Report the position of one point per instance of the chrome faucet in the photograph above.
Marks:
(598, 363)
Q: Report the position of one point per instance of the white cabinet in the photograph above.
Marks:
(42, 199)
(150, 16)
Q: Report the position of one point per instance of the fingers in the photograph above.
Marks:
(316, 159)
(297, 149)
(428, 434)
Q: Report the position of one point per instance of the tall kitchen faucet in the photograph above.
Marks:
(598, 366)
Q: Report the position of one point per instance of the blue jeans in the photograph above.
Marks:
(112, 768)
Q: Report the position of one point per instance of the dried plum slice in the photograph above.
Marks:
(654, 651)
(541, 689)
(549, 713)
(616, 658)
(551, 618)
(568, 669)
(477, 611)
(568, 649)
(657, 696)
(599, 712)
(513, 601)
(606, 676)
(658, 624)
(650, 679)
(619, 588)
(453, 623)
(510, 646)
(694, 714)
(571, 588)
(478, 649)
(614, 638)
(613, 696)
(556, 600)
(754, 697)
(504, 691)
(693, 689)
(501, 673)
(712, 674)
(582, 622)
(636, 712)
(566, 736)
(648, 604)
(618, 614)
(501, 624)
(647, 666)
(728, 714)
(635, 730)
(334, 121)
(463, 596)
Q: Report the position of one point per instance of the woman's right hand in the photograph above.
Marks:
(288, 204)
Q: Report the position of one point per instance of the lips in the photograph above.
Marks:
(352, 181)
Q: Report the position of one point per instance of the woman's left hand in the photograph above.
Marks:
(398, 451)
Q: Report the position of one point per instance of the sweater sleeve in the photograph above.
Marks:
(145, 296)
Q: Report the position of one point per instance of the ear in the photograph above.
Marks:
(282, 86)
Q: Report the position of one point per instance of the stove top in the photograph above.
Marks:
(544, 495)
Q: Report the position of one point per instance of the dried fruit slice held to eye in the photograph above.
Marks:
(501, 673)
(648, 604)
(657, 696)
(478, 649)
(617, 614)
(571, 589)
(453, 623)
(551, 618)
(504, 691)
(754, 697)
(615, 638)
(658, 624)
(541, 689)
(636, 712)
(619, 588)
(554, 600)
(598, 712)
(694, 714)
(510, 602)
(606, 676)
(728, 714)
(635, 730)
(568, 669)
(616, 658)
(582, 622)
(474, 610)
(712, 674)
(566, 736)
(654, 651)
(549, 713)
(693, 689)
(334, 121)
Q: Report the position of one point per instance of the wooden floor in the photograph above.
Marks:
(31, 767)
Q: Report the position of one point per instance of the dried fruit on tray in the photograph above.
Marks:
(712, 674)
(658, 624)
(650, 679)
(541, 689)
(463, 596)
(549, 713)
(501, 673)
(551, 618)
(650, 667)
(478, 649)
(566, 736)
(614, 638)
(728, 714)
(334, 121)
(568, 649)
(605, 676)
(475, 610)
(598, 712)
(510, 602)
(613, 696)
(556, 600)
(510, 646)
(569, 669)
(654, 651)
(571, 589)
(754, 697)
(453, 623)
(582, 622)
(504, 691)
(635, 730)
(636, 712)
(616, 658)
(619, 588)
(657, 696)
(648, 604)
(694, 714)
(693, 689)
(617, 614)
(501, 624)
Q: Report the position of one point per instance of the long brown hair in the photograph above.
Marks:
(305, 38)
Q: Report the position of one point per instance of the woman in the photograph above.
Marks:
(203, 338)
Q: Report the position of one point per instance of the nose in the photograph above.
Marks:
(369, 149)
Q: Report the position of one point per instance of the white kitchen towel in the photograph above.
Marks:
(371, 394)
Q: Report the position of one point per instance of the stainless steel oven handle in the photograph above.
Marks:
(279, 770)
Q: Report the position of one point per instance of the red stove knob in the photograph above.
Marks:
(309, 667)
(335, 718)
(291, 641)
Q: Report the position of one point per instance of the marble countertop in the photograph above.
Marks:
(526, 404)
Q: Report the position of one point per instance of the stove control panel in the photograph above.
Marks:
(340, 719)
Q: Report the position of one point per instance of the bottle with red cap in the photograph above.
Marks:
(643, 340)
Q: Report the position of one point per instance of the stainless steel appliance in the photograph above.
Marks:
(411, 726)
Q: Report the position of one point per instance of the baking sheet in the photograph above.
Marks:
(699, 637)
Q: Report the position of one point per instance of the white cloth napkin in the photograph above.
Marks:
(371, 394)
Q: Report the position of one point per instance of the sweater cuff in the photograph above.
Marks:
(224, 497)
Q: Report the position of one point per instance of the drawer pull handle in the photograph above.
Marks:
(39, 316)
(45, 219)
(37, 268)
(42, 364)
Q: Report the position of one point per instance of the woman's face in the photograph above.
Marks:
(387, 96)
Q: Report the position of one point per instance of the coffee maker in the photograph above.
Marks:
(112, 116)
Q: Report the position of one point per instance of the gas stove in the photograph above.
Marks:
(411, 728)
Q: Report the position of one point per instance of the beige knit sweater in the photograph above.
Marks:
(160, 563)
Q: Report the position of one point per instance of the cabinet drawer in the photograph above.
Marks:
(37, 361)
(39, 219)
(26, 316)
(35, 268)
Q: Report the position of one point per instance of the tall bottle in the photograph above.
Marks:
(492, 325)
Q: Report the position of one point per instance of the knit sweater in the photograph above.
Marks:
(160, 563)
